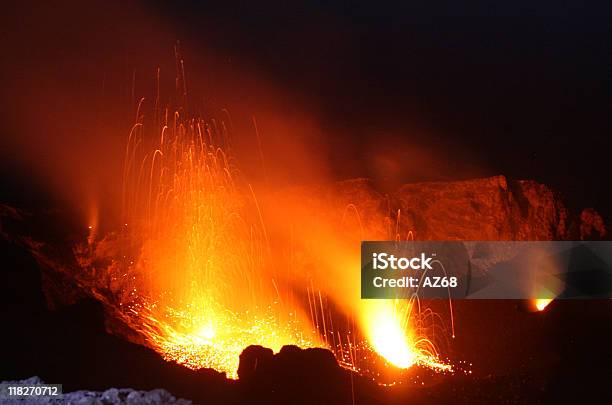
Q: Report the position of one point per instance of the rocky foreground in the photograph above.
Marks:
(518, 357)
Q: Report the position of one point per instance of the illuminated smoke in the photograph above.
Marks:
(201, 289)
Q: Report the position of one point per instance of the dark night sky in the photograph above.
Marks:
(524, 87)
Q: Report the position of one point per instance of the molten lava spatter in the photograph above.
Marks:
(541, 303)
(191, 270)
(392, 333)
(391, 341)
(215, 340)
(201, 265)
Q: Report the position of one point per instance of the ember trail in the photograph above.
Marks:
(192, 271)
(199, 289)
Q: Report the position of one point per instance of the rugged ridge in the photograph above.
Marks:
(70, 345)
(493, 208)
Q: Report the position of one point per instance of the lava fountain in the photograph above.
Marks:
(196, 254)
(397, 331)
(191, 269)
(540, 304)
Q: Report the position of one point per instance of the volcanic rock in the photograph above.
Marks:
(77, 351)
(493, 208)
(255, 361)
(313, 373)
(484, 209)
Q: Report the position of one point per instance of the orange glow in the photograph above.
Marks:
(388, 336)
(390, 328)
(196, 276)
(204, 280)
(201, 277)
(541, 303)
(201, 269)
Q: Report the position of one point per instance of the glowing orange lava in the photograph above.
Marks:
(391, 341)
(389, 329)
(191, 269)
(541, 303)
(202, 264)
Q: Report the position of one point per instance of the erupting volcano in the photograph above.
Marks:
(196, 281)
(330, 203)
(211, 272)
(193, 274)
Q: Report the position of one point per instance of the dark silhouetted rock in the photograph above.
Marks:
(295, 375)
(254, 360)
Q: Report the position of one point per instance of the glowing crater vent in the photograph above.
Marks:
(540, 304)
(390, 341)
(201, 287)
